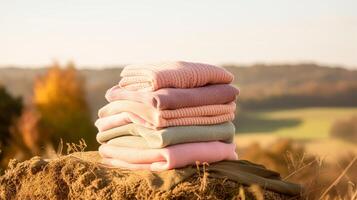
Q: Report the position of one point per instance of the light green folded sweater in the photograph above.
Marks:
(134, 135)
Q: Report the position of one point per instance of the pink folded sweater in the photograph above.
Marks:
(172, 75)
(175, 156)
(173, 98)
(122, 112)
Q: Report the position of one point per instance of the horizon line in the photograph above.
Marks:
(222, 64)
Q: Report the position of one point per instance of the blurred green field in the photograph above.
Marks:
(307, 126)
(303, 123)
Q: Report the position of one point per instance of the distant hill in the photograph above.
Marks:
(272, 79)
(262, 86)
(302, 85)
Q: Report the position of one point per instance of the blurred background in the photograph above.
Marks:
(295, 63)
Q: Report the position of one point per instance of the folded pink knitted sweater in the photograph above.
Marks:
(175, 156)
(122, 112)
(172, 75)
(173, 98)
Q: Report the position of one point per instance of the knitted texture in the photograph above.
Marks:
(172, 75)
(175, 156)
(137, 136)
(173, 98)
(122, 112)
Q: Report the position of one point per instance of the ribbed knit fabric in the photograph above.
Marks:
(123, 111)
(175, 156)
(173, 98)
(152, 77)
(137, 136)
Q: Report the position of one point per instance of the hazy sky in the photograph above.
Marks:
(106, 32)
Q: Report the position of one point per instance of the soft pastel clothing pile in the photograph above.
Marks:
(168, 115)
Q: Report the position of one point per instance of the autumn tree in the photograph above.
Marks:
(10, 109)
(60, 99)
(26, 135)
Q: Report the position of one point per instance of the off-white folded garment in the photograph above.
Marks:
(122, 112)
(175, 156)
(137, 136)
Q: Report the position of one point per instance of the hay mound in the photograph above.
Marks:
(69, 177)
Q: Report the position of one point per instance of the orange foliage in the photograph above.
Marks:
(60, 87)
(60, 98)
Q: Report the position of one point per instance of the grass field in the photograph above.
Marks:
(308, 126)
(306, 123)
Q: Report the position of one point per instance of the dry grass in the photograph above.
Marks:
(322, 180)
(73, 147)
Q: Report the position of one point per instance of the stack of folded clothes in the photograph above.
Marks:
(168, 115)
